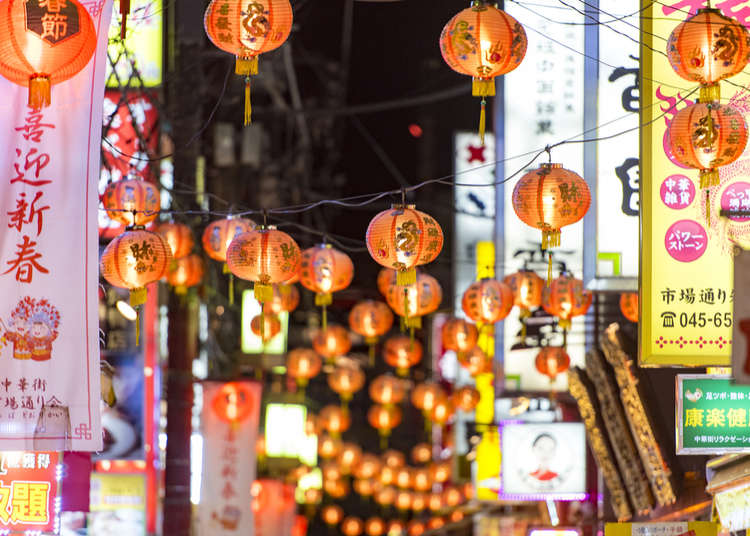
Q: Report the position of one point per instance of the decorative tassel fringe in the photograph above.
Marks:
(402, 372)
(413, 322)
(565, 324)
(371, 342)
(263, 293)
(124, 11)
(708, 208)
(324, 318)
(406, 277)
(248, 106)
(482, 122)
(483, 88)
(246, 66)
(549, 268)
(708, 178)
(709, 93)
(551, 238)
(180, 290)
(137, 296)
(231, 289)
(39, 91)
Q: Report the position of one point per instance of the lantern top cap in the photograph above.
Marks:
(266, 228)
(324, 245)
(551, 165)
(401, 206)
(708, 10)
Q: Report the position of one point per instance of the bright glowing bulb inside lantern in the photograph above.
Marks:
(126, 310)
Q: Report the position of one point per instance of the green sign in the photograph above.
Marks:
(713, 415)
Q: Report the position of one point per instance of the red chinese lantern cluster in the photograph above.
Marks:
(629, 305)
(551, 361)
(483, 42)
(248, 29)
(132, 202)
(566, 298)
(325, 270)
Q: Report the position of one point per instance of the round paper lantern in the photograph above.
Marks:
(44, 43)
(312, 427)
(385, 496)
(421, 453)
(475, 361)
(403, 500)
(336, 488)
(526, 287)
(394, 459)
(264, 256)
(368, 467)
(441, 471)
(266, 326)
(285, 299)
(131, 201)
(349, 457)
(325, 270)
(483, 42)
(384, 418)
(468, 491)
(134, 259)
(435, 501)
(418, 502)
(329, 447)
(426, 395)
(708, 47)
(332, 514)
(415, 301)
(435, 523)
(334, 420)
(303, 364)
(707, 135)
(387, 390)
(629, 305)
(387, 475)
(332, 342)
(442, 411)
(487, 301)
(396, 527)
(466, 398)
(551, 361)
(452, 496)
(459, 335)
(370, 319)
(567, 298)
(550, 198)
(248, 29)
(352, 526)
(403, 477)
(422, 480)
(219, 234)
(331, 471)
(402, 353)
(345, 381)
(313, 496)
(233, 403)
(185, 272)
(365, 486)
(386, 278)
(456, 516)
(403, 238)
(416, 528)
(375, 526)
(179, 237)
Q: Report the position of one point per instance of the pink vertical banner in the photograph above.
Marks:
(230, 419)
(50, 159)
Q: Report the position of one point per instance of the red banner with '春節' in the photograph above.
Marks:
(49, 169)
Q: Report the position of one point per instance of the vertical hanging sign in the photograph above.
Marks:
(231, 412)
(49, 326)
(686, 275)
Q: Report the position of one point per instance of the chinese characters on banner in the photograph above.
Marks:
(545, 93)
(713, 415)
(29, 487)
(686, 264)
(49, 344)
(228, 460)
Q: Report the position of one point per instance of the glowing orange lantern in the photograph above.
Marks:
(352, 526)
(368, 466)
(426, 396)
(403, 238)
(440, 471)
(44, 43)
(375, 526)
(414, 301)
(285, 299)
(466, 398)
(185, 272)
(459, 335)
(303, 364)
(418, 502)
(483, 42)
(387, 475)
(365, 486)
(387, 390)
(403, 477)
(345, 381)
(707, 135)
(567, 298)
(219, 234)
(313, 496)
(233, 403)
(550, 198)
(416, 528)
(421, 453)
(332, 514)
(179, 237)
(329, 447)
(629, 305)
(435, 523)
(452, 496)
(396, 527)
(403, 500)
(435, 502)
(325, 270)
(264, 256)
(385, 496)
(468, 491)
(456, 516)
(349, 457)
(475, 361)
(551, 361)
(386, 278)
(708, 47)
(248, 29)
(442, 411)
(394, 459)
(487, 301)
(334, 420)
(131, 201)
(422, 480)
(384, 418)
(370, 319)
(526, 287)
(331, 471)
(332, 342)
(266, 326)
(402, 353)
(336, 488)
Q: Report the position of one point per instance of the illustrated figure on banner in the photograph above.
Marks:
(33, 328)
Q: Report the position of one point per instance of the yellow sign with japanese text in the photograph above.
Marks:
(686, 285)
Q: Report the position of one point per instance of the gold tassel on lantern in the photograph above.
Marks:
(482, 123)
(550, 238)
(481, 87)
(246, 66)
(137, 298)
(708, 208)
(324, 299)
(124, 11)
(39, 91)
(225, 269)
(406, 277)
(248, 106)
(549, 268)
(709, 178)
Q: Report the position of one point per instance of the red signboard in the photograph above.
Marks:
(29, 488)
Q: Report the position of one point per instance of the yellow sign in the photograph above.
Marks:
(115, 491)
(690, 528)
(686, 264)
(143, 43)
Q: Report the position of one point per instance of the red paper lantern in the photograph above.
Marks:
(416, 528)
(329, 447)
(475, 361)
(452, 496)
(336, 488)
(387, 390)
(487, 301)
(466, 398)
(264, 256)
(365, 486)
(44, 43)
(233, 403)
(441, 472)
(414, 301)
(334, 420)
(285, 299)
(386, 278)
(332, 514)
(131, 201)
(345, 381)
(385, 496)
(368, 467)
(707, 135)
(332, 342)
(303, 364)
(708, 47)
(375, 526)
(402, 353)
(526, 287)
(219, 234)
(248, 29)
(352, 526)
(179, 237)
(384, 418)
(370, 319)
(426, 396)
(551, 361)
(349, 457)
(185, 272)
(421, 453)
(403, 238)
(442, 411)
(629, 305)
(325, 270)
(266, 326)
(418, 502)
(566, 298)
(394, 459)
(459, 335)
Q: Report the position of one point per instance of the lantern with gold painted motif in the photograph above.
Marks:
(566, 298)
(402, 353)
(325, 270)
(370, 319)
(487, 301)
(414, 301)
(132, 201)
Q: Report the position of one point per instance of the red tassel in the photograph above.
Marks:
(124, 11)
